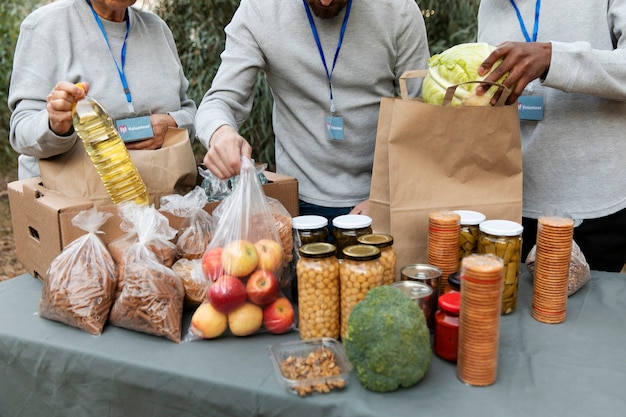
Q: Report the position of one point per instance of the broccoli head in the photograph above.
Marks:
(387, 340)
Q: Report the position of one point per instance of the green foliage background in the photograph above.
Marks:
(198, 27)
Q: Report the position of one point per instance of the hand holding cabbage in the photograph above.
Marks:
(457, 65)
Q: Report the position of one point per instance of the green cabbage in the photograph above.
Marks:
(456, 65)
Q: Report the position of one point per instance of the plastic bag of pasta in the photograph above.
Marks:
(196, 228)
(243, 263)
(80, 283)
(151, 299)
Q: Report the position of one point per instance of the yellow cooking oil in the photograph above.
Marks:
(108, 152)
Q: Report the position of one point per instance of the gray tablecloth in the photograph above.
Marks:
(576, 368)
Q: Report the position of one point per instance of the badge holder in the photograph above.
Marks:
(133, 129)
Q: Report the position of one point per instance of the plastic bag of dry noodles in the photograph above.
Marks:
(80, 283)
(151, 300)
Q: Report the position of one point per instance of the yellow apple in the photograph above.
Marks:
(239, 258)
(245, 320)
(270, 254)
(207, 322)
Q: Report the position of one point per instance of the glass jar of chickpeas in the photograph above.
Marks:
(503, 238)
(360, 271)
(388, 255)
(317, 273)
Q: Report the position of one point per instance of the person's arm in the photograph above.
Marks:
(40, 124)
(573, 67)
(229, 100)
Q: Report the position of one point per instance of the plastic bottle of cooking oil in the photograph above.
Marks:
(108, 152)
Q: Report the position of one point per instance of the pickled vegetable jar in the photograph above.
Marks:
(388, 255)
(468, 236)
(318, 291)
(310, 229)
(347, 228)
(446, 338)
(503, 238)
(359, 272)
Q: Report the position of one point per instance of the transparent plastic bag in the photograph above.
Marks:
(194, 282)
(217, 189)
(579, 271)
(80, 282)
(151, 299)
(196, 229)
(243, 264)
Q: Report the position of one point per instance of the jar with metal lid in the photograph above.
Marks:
(309, 229)
(446, 337)
(503, 238)
(318, 291)
(454, 283)
(388, 255)
(359, 272)
(347, 228)
(468, 235)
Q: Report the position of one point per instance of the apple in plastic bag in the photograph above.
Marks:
(227, 293)
(239, 258)
(278, 317)
(212, 263)
(245, 320)
(207, 322)
(270, 254)
(262, 287)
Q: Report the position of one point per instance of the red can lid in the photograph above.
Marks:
(450, 302)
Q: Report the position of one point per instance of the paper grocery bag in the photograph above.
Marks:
(430, 158)
(172, 169)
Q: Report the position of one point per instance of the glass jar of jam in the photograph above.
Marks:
(446, 337)
(318, 291)
(503, 238)
(347, 228)
(359, 272)
(388, 255)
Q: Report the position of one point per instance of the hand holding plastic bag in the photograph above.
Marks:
(243, 262)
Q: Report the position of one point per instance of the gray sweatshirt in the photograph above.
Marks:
(382, 40)
(575, 158)
(62, 42)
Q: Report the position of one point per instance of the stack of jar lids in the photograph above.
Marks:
(552, 259)
(479, 320)
(443, 243)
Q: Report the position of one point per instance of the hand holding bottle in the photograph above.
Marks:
(59, 105)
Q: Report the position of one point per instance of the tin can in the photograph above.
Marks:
(426, 274)
(421, 293)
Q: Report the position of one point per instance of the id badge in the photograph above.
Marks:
(334, 128)
(530, 107)
(133, 129)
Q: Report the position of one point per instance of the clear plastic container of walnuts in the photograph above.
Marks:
(318, 291)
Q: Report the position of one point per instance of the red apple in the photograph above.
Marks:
(245, 319)
(227, 293)
(207, 322)
(270, 254)
(262, 287)
(212, 263)
(278, 316)
(239, 258)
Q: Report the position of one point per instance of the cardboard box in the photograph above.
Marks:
(42, 219)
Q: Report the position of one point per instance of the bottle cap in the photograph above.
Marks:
(376, 239)
(352, 221)
(501, 227)
(317, 250)
(309, 222)
(361, 252)
(450, 302)
(470, 217)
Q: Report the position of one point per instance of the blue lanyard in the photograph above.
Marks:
(329, 74)
(120, 70)
(521, 21)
